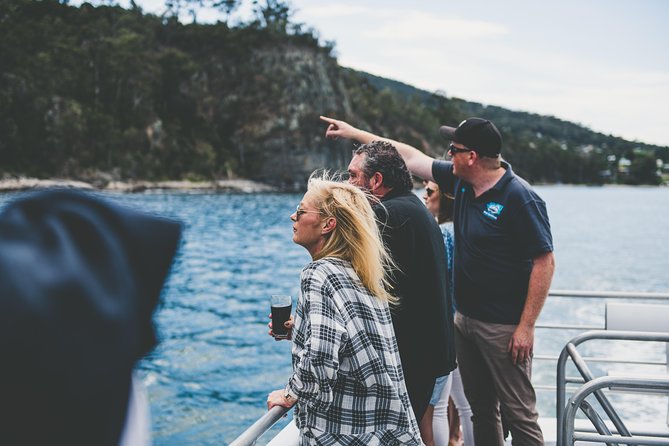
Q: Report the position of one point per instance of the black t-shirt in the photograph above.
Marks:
(497, 235)
(423, 322)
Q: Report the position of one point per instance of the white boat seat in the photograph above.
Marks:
(637, 317)
(640, 318)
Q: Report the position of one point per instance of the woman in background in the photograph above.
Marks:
(347, 380)
(445, 433)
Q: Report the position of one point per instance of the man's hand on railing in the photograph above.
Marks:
(278, 398)
(288, 324)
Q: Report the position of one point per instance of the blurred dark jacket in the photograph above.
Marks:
(80, 279)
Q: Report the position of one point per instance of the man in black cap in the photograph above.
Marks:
(80, 279)
(503, 268)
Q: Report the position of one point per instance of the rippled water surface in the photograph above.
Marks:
(210, 375)
(215, 365)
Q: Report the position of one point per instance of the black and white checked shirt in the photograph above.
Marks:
(347, 373)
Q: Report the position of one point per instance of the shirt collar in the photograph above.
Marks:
(508, 175)
(393, 193)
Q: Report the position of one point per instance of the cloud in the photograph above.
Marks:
(606, 98)
(403, 24)
(340, 10)
(419, 26)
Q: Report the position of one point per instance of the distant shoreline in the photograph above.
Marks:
(230, 186)
(238, 186)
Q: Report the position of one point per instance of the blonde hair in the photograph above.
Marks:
(356, 236)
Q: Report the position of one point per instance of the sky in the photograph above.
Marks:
(603, 64)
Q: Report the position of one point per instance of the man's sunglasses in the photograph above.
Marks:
(453, 150)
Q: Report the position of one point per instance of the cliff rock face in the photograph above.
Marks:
(135, 97)
(279, 134)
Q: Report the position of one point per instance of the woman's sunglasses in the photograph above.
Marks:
(430, 191)
(299, 211)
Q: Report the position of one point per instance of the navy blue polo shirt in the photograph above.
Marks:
(496, 237)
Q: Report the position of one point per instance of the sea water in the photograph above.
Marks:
(209, 377)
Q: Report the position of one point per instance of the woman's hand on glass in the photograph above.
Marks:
(288, 324)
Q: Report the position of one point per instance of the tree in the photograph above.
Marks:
(274, 15)
(644, 170)
(191, 7)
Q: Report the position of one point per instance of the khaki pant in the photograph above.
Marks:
(491, 381)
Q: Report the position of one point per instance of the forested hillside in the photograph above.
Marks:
(100, 93)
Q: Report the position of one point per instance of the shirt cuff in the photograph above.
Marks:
(289, 394)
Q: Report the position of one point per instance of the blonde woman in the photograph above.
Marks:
(347, 379)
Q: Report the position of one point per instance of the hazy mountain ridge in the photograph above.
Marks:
(513, 120)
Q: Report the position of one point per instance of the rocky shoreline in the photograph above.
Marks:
(235, 186)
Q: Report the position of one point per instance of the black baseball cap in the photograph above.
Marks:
(477, 134)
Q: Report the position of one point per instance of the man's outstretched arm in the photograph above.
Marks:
(417, 162)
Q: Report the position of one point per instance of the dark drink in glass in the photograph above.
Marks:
(281, 305)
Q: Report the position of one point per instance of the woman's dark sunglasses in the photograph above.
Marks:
(429, 193)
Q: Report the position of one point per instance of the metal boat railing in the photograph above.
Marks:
(594, 295)
(566, 412)
(604, 434)
(264, 423)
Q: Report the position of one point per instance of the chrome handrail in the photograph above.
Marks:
(625, 295)
(262, 425)
(609, 294)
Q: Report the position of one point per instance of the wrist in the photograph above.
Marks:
(526, 325)
(289, 396)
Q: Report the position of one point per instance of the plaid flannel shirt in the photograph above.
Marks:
(347, 374)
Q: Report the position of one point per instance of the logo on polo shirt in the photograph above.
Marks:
(492, 210)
